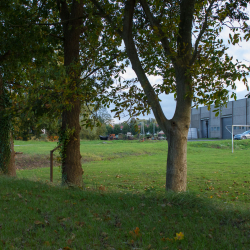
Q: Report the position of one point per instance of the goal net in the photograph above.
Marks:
(238, 132)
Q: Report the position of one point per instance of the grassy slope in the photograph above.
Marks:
(123, 204)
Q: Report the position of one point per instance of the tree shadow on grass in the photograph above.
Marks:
(55, 217)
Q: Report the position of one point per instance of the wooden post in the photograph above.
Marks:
(51, 162)
(51, 166)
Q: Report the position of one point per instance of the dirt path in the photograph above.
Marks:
(24, 161)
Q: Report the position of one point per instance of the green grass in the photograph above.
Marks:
(123, 204)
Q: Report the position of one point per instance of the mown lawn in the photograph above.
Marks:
(123, 204)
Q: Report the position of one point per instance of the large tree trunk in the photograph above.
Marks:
(71, 163)
(176, 177)
(177, 133)
(71, 166)
(7, 153)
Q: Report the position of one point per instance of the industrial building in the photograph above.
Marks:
(210, 126)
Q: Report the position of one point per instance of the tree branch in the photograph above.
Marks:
(58, 37)
(97, 68)
(127, 36)
(202, 31)
(4, 56)
(155, 23)
(106, 16)
(47, 24)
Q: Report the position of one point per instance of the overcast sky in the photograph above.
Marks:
(240, 52)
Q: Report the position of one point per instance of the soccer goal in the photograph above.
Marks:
(238, 130)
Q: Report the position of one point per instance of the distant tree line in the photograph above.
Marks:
(28, 126)
(134, 126)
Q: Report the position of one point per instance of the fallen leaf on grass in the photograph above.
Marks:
(179, 236)
(135, 233)
(80, 224)
(166, 239)
(102, 188)
(69, 241)
(60, 219)
(20, 196)
(210, 236)
(37, 222)
(67, 248)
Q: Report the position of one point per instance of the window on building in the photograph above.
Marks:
(243, 127)
(218, 128)
(212, 128)
(215, 128)
(235, 128)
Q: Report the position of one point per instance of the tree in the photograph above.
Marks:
(103, 115)
(117, 129)
(31, 26)
(19, 47)
(71, 17)
(109, 129)
(158, 37)
(90, 56)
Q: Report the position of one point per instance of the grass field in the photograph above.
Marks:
(123, 204)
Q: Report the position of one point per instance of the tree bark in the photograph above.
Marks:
(11, 168)
(176, 176)
(71, 166)
(7, 154)
(71, 163)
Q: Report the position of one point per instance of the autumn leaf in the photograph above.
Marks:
(137, 230)
(179, 236)
(67, 248)
(135, 233)
(69, 241)
(166, 239)
(80, 224)
(37, 222)
(102, 188)
(46, 243)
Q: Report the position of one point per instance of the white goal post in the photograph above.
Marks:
(236, 129)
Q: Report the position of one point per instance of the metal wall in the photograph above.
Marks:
(235, 112)
(226, 121)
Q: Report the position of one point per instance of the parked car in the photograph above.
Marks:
(245, 135)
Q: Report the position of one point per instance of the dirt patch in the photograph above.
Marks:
(24, 161)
